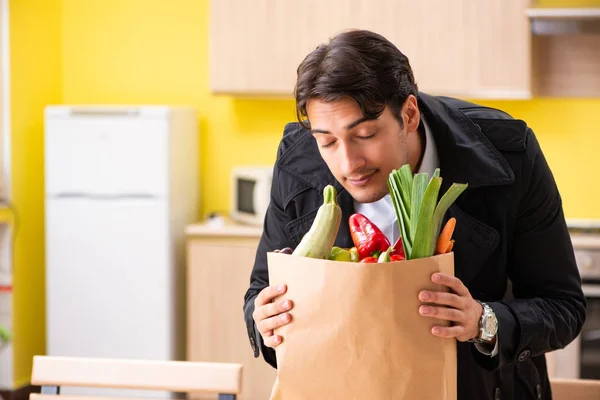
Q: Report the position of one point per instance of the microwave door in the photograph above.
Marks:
(246, 201)
(251, 194)
(262, 197)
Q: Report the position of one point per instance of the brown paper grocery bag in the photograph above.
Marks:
(356, 332)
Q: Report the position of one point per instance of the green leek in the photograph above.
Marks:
(419, 214)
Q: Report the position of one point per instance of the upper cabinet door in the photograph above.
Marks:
(468, 48)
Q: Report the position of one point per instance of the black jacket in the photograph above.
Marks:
(513, 249)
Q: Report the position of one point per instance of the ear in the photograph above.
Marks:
(411, 114)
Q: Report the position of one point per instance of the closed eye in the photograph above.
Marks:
(325, 146)
(365, 137)
(328, 145)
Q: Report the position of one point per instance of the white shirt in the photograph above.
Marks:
(382, 213)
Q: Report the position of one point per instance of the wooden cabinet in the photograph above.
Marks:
(566, 51)
(469, 48)
(218, 274)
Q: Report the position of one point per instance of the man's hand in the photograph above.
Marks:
(463, 311)
(269, 315)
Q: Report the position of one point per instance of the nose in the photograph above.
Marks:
(351, 159)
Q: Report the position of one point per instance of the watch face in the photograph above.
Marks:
(490, 325)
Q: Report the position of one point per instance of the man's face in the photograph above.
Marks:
(361, 153)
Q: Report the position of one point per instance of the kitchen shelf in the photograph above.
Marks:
(561, 21)
(563, 13)
(565, 47)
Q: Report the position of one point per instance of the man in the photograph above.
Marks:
(361, 116)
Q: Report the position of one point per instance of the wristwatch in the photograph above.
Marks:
(488, 325)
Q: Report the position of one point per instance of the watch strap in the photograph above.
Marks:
(485, 311)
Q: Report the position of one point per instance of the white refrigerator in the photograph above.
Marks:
(121, 183)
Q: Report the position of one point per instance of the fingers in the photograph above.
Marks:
(448, 331)
(268, 294)
(448, 314)
(457, 306)
(265, 307)
(272, 341)
(442, 298)
(269, 314)
(452, 282)
(271, 309)
(269, 324)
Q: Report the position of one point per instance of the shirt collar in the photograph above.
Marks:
(430, 157)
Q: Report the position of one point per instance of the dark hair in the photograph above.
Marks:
(359, 64)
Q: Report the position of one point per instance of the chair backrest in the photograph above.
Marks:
(575, 389)
(51, 373)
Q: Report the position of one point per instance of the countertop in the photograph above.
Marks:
(586, 241)
(585, 234)
(223, 228)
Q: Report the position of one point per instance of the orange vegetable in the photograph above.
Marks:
(445, 242)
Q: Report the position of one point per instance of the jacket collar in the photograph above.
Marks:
(465, 154)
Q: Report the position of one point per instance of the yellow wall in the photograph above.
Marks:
(140, 51)
(5, 215)
(156, 51)
(568, 133)
(35, 67)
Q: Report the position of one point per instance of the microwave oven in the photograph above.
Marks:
(250, 193)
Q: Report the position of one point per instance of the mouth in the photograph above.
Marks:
(361, 180)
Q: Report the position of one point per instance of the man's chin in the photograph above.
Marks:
(366, 196)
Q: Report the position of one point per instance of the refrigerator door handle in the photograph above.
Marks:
(68, 195)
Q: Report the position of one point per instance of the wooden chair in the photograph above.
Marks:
(224, 379)
(575, 389)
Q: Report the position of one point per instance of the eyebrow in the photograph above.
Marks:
(350, 126)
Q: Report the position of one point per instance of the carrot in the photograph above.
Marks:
(444, 243)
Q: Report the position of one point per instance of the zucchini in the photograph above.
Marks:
(319, 240)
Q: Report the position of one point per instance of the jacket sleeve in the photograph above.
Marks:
(273, 237)
(548, 309)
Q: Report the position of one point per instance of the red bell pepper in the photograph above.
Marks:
(399, 249)
(367, 237)
(369, 260)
